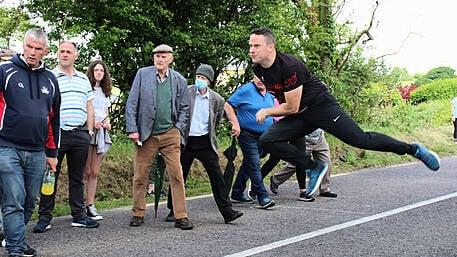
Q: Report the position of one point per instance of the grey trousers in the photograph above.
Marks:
(319, 151)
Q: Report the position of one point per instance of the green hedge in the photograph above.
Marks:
(436, 90)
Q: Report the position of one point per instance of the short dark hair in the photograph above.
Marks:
(71, 42)
(264, 31)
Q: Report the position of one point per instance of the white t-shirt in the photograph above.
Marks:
(101, 104)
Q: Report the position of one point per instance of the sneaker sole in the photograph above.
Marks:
(267, 206)
(96, 217)
(319, 180)
(74, 224)
(312, 199)
(238, 201)
(30, 254)
(79, 225)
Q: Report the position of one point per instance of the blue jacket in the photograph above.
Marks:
(29, 107)
(140, 109)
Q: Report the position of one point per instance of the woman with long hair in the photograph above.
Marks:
(100, 80)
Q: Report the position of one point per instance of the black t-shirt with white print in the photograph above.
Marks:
(288, 73)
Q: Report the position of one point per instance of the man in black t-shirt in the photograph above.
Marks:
(307, 104)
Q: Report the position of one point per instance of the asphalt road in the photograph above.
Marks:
(403, 210)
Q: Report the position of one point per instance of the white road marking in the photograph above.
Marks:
(327, 230)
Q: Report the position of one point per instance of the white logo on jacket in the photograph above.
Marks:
(44, 90)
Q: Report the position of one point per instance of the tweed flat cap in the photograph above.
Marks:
(162, 49)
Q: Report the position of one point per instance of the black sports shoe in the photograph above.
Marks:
(330, 194)
(41, 226)
(85, 223)
(30, 251)
(233, 217)
(305, 198)
(273, 186)
(170, 217)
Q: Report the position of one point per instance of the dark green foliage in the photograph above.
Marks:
(123, 34)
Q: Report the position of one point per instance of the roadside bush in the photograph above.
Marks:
(439, 89)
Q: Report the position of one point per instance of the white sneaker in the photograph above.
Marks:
(92, 213)
(4, 242)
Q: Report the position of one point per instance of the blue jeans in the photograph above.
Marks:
(250, 167)
(21, 175)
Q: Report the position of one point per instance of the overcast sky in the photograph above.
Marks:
(429, 28)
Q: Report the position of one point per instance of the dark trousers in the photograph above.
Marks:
(455, 129)
(200, 148)
(270, 164)
(74, 145)
(324, 113)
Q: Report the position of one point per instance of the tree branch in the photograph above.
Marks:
(357, 37)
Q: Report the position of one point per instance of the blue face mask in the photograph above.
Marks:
(200, 83)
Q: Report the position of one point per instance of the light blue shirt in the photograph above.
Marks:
(75, 92)
(199, 125)
(454, 111)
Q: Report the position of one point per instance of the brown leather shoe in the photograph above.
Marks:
(184, 224)
(136, 221)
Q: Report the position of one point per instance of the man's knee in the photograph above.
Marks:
(264, 141)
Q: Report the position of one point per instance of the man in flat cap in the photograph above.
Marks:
(156, 115)
(162, 49)
(206, 110)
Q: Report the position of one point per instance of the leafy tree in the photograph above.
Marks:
(123, 33)
(334, 53)
(436, 74)
(397, 76)
(14, 24)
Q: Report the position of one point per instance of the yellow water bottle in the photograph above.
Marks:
(48, 183)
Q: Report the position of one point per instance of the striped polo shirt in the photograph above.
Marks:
(75, 92)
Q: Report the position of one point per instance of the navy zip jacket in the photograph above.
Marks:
(29, 107)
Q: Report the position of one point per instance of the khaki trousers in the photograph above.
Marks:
(169, 145)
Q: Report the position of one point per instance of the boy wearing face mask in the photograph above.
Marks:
(206, 110)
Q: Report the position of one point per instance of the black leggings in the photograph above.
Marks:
(324, 113)
(272, 161)
(455, 129)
